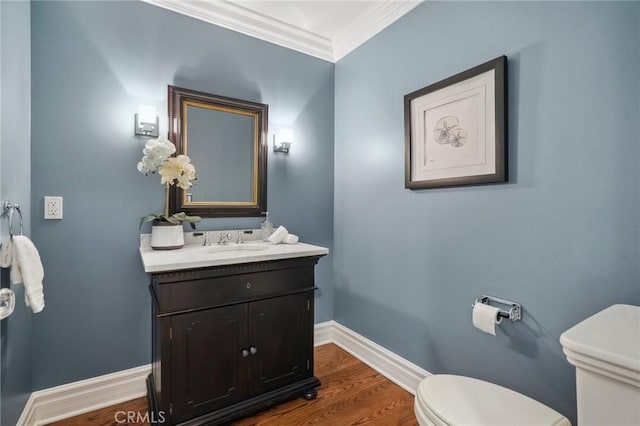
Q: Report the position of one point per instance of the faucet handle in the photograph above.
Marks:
(224, 239)
(206, 239)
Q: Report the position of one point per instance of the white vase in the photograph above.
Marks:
(166, 236)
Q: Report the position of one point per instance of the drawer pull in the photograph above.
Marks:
(245, 353)
(253, 350)
(248, 285)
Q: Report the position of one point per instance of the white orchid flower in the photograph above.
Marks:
(184, 182)
(189, 171)
(157, 156)
(173, 170)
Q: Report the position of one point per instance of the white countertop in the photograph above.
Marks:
(198, 256)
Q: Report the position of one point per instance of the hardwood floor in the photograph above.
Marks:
(352, 393)
(114, 415)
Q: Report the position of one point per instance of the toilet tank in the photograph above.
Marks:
(605, 349)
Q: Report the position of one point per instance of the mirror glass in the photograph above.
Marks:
(226, 141)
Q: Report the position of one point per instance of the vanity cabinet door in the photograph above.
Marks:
(280, 341)
(208, 360)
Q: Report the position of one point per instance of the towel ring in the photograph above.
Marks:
(16, 208)
(8, 209)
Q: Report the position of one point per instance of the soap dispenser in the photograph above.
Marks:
(267, 227)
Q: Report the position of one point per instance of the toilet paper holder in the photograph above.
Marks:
(514, 313)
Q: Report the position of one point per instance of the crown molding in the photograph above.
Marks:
(240, 19)
(237, 18)
(384, 14)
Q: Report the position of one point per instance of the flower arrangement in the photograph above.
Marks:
(178, 170)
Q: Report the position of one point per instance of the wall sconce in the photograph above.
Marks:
(146, 121)
(283, 140)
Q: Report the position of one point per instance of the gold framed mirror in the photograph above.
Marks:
(226, 141)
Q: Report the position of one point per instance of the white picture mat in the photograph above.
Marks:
(467, 101)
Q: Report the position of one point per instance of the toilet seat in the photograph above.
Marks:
(448, 400)
(425, 416)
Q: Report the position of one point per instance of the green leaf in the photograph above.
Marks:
(179, 216)
(147, 219)
(176, 219)
(192, 219)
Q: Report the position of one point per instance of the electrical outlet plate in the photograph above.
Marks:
(52, 207)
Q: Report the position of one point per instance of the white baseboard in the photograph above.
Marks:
(323, 333)
(62, 402)
(395, 368)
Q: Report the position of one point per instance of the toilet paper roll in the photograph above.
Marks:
(485, 318)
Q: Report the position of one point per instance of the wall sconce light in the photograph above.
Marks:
(283, 140)
(146, 121)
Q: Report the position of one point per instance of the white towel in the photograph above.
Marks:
(7, 259)
(278, 235)
(15, 276)
(291, 239)
(28, 265)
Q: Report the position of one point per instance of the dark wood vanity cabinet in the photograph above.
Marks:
(229, 341)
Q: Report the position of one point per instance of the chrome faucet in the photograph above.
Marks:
(224, 239)
(239, 238)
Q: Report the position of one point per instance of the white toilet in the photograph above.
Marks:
(445, 399)
(605, 349)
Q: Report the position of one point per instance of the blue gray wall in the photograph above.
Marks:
(15, 185)
(561, 237)
(92, 64)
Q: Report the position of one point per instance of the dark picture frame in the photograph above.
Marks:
(456, 129)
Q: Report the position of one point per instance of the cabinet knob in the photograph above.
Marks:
(248, 285)
(245, 353)
(253, 350)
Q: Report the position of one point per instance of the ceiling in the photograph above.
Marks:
(327, 29)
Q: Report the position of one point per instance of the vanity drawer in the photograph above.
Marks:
(223, 290)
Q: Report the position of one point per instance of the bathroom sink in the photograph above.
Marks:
(235, 247)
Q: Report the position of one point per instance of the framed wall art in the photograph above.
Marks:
(456, 129)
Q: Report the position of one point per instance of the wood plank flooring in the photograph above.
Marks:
(352, 393)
